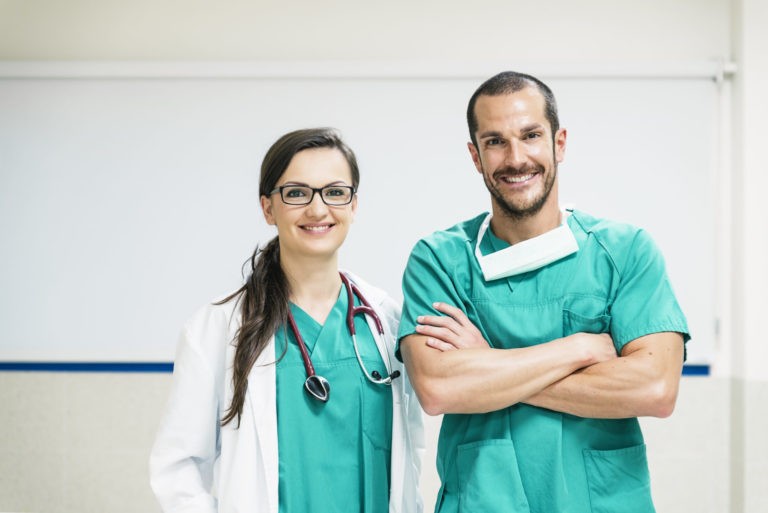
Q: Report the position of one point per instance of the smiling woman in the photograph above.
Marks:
(245, 363)
(310, 226)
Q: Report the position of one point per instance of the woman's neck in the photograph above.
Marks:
(315, 284)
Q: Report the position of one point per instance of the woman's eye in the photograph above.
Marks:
(335, 192)
(295, 193)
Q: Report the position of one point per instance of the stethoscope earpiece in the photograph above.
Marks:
(377, 375)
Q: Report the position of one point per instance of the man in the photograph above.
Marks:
(541, 334)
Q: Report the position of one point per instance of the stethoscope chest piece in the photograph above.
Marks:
(318, 387)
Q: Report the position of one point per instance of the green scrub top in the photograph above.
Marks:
(528, 459)
(333, 456)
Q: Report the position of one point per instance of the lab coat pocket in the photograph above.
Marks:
(577, 323)
(482, 466)
(618, 480)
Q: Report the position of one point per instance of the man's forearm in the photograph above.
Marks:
(480, 380)
(642, 382)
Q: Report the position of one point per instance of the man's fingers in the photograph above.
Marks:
(435, 320)
(439, 344)
(444, 334)
(454, 312)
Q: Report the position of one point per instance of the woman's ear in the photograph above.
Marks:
(354, 206)
(266, 209)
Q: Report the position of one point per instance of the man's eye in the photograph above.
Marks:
(532, 135)
(493, 142)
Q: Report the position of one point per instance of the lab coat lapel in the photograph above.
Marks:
(375, 300)
(262, 394)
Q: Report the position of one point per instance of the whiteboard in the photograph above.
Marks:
(127, 203)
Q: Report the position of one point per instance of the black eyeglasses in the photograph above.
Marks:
(332, 195)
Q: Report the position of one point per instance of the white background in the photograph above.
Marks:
(125, 204)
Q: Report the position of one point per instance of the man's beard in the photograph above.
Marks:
(525, 211)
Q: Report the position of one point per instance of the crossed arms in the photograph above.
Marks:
(454, 370)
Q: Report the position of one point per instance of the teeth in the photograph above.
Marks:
(517, 179)
(316, 228)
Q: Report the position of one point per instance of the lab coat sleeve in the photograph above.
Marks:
(187, 444)
(414, 413)
(415, 420)
(413, 429)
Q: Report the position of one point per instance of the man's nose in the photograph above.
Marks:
(515, 155)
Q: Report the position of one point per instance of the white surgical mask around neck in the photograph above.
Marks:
(527, 255)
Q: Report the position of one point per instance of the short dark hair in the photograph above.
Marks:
(508, 82)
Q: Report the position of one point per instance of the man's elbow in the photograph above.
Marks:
(663, 397)
(431, 397)
(430, 387)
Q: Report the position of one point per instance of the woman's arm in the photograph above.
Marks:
(185, 448)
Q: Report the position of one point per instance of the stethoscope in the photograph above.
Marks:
(317, 386)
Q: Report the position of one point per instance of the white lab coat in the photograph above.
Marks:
(199, 466)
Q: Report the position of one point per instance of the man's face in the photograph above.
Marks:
(516, 153)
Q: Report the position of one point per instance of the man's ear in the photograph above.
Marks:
(560, 137)
(475, 157)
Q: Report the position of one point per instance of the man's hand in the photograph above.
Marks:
(598, 345)
(455, 331)
(449, 332)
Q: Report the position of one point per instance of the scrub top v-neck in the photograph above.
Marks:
(334, 456)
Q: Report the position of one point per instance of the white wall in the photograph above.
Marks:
(589, 30)
(153, 183)
(711, 456)
(749, 422)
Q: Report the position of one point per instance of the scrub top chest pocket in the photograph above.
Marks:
(585, 314)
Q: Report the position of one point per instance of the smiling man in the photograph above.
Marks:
(541, 333)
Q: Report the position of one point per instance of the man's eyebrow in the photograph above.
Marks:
(531, 127)
(525, 129)
(489, 133)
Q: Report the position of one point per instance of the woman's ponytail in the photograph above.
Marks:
(264, 308)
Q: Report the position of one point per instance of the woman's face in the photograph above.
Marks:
(315, 229)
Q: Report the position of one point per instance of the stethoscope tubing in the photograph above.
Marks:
(365, 309)
(317, 386)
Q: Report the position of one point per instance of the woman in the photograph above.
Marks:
(275, 407)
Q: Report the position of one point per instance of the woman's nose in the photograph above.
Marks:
(317, 206)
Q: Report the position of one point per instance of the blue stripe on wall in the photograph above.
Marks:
(695, 370)
(688, 370)
(87, 366)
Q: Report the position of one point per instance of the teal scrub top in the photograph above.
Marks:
(333, 456)
(528, 459)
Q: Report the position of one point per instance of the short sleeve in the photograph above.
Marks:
(426, 280)
(645, 302)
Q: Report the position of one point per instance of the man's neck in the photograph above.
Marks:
(514, 229)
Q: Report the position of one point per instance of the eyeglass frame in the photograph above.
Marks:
(315, 190)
